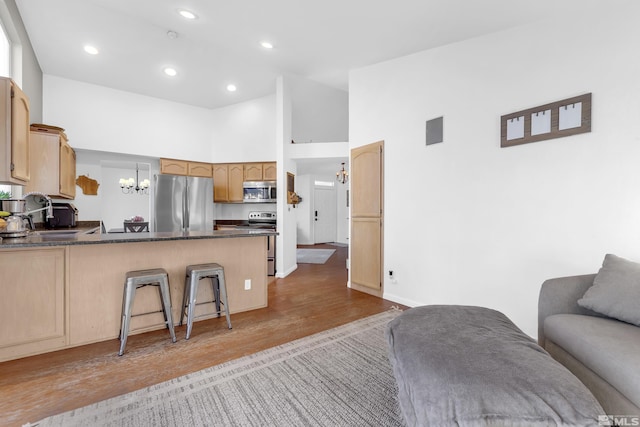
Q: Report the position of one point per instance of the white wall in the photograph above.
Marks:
(319, 113)
(468, 222)
(99, 118)
(304, 224)
(342, 214)
(117, 206)
(244, 132)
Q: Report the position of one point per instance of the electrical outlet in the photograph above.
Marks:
(392, 277)
(247, 284)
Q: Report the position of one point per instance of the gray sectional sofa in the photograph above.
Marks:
(590, 324)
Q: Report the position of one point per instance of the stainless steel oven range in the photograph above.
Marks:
(266, 220)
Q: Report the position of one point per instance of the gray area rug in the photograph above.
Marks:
(313, 256)
(340, 377)
(342, 245)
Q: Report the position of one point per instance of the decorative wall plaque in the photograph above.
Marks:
(570, 116)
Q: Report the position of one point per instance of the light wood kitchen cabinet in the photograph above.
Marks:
(227, 182)
(33, 304)
(221, 183)
(253, 172)
(185, 167)
(228, 179)
(200, 169)
(236, 174)
(174, 167)
(53, 163)
(14, 134)
(260, 171)
(269, 171)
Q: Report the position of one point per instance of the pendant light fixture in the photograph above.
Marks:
(342, 175)
(129, 186)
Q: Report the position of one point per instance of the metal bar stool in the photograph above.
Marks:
(195, 273)
(138, 279)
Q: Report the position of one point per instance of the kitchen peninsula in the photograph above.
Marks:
(65, 290)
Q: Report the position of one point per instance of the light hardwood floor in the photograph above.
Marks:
(311, 299)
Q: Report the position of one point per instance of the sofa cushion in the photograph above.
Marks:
(611, 349)
(471, 366)
(616, 290)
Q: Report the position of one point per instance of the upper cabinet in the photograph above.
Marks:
(227, 177)
(253, 172)
(227, 182)
(14, 134)
(269, 171)
(260, 171)
(200, 169)
(184, 167)
(53, 163)
(174, 167)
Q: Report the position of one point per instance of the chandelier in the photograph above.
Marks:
(129, 186)
(342, 175)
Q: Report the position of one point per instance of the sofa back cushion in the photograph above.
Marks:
(616, 290)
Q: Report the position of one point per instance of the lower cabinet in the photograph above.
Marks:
(33, 304)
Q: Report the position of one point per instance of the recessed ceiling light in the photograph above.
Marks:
(170, 71)
(187, 14)
(231, 88)
(266, 45)
(91, 50)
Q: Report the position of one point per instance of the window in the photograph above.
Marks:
(5, 66)
(5, 54)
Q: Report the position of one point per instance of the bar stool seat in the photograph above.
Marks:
(195, 273)
(138, 279)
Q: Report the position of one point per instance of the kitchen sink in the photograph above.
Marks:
(56, 232)
(68, 232)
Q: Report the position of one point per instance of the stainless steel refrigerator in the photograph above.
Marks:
(183, 203)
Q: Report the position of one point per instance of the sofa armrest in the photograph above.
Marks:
(560, 296)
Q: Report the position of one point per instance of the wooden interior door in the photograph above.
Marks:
(367, 218)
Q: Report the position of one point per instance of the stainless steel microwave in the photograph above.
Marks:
(259, 191)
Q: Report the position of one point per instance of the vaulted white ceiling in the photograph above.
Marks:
(319, 40)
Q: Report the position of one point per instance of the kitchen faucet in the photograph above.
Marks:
(48, 207)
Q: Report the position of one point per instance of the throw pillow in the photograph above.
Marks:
(616, 290)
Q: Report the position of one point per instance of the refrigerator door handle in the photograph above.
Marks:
(185, 206)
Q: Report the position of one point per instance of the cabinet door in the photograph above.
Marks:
(269, 172)
(236, 175)
(32, 307)
(174, 167)
(200, 169)
(253, 172)
(220, 183)
(19, 134)
(45, 161)
(67, 170)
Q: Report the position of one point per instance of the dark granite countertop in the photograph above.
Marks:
(63, 238)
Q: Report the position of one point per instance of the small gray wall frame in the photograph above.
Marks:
(568, 117)
(435, 130)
